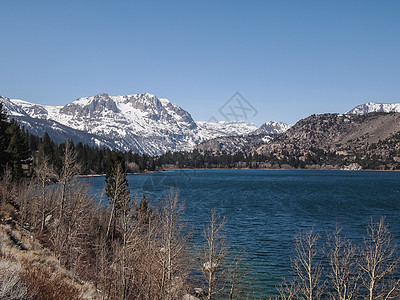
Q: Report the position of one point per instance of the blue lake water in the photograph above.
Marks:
(265, 209)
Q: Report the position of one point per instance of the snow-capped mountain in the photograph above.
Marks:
(12, 108)
(271, 127)
(140, 122)
(371, 107)
(235, 143)
(58, 132)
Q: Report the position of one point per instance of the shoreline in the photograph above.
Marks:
(268, 169)
(238, 169)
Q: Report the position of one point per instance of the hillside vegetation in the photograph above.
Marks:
(336, 141)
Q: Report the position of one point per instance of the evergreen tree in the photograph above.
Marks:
(143, 211)
(48, 147)
(3, 138)
(17, 152)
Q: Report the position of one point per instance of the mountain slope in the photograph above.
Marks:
(333, 139)
(371, 107)
(271, 127)
(140, 122)
(38, 126)
(244, 143)
(234, 144)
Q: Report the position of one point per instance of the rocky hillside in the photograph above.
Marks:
(29, 270)
(233, 144)
(244, 143)
(335, 140)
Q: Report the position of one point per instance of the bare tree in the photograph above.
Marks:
(287, 291)
(70, 238)
(173, 243)
(44, 172)
(147, 259)
(147, 264)
(307, 269)
(102, 264)
(345, 273)
(69, 170)
(378, 261)
(236, 273)
(27, 198)
(126, 225)
(117, 193)
(215, 253)
(6, 184)
(63, 232)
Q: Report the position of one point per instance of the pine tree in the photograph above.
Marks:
(3, 138)
(17, 152)
(143, 211)
(69, 170)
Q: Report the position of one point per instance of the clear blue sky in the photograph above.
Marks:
(289, 59)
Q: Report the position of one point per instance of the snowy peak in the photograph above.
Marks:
(272, 127)
(90, 106)
(130, 107)
(159, 109)
(371, 107)
(33, 110)
(12, 108)
(139, 122)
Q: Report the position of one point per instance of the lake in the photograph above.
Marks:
(265, 209)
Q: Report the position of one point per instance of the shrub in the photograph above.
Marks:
(43, 285)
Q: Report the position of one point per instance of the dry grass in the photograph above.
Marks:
(30, 271)
(11, 284)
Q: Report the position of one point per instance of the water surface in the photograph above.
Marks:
(265, 209)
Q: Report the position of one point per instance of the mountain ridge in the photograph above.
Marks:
(142, 123)
(371, 107)
(146, 124)
(264, 135)
(368, 141)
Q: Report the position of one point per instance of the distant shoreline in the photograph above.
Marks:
(238, 169)
(267, 169)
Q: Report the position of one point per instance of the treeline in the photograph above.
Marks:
(18, 148)
(93, 160)
(208, 159)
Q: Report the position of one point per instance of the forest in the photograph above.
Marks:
(58, 242)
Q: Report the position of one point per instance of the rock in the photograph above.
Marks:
(198, 292)
(189, 297)
(352, 167)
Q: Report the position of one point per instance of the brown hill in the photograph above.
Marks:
(368, 141)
